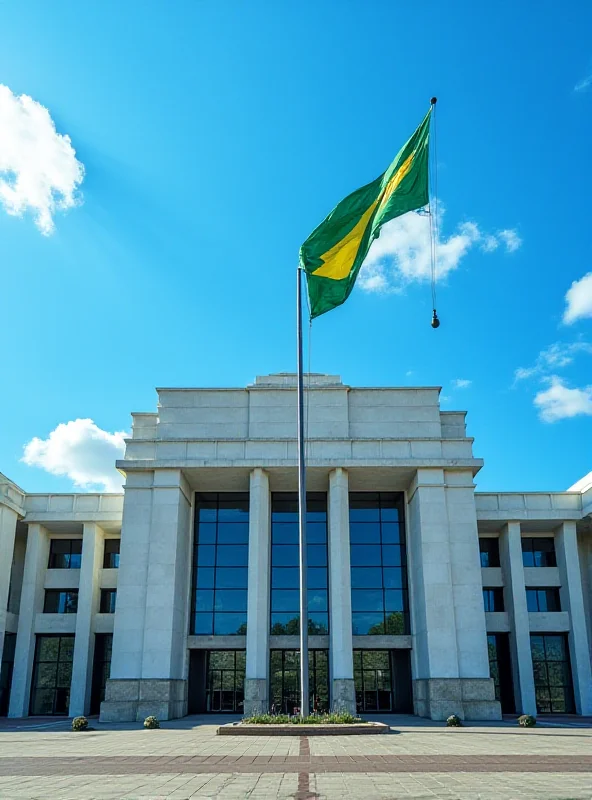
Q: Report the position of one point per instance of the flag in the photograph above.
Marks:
(334, 252)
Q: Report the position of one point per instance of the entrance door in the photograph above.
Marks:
(500, 669)
(373, 681)
(383, 681)
(101, 670)
(285, 680)
(226, 681)
(6, 672)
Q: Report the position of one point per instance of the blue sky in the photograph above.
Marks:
(215, 136)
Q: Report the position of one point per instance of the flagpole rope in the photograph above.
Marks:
(436, 221)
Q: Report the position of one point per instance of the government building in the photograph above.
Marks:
(180, 595)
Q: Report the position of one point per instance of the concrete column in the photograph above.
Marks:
(515, 603)
(8, 520)
(149, 666)
(257, 666)
(343, 693)
(451, 672)
(36, 560)
(88, 605)
(572, 601)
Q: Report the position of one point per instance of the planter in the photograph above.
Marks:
(359, 729)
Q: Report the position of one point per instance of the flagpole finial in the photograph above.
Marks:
(435, 320)
(433, 101)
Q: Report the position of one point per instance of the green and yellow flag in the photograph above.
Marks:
(334, 252)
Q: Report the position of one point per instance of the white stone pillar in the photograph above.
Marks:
(343, 693)
(36, 560)
(515, 603)
(88, 605)
(8, 520)
(149, 664)
(257, 660)
(451, 670)
(572, 601)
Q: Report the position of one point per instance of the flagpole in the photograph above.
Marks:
(304, 708)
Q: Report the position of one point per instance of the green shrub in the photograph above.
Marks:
(151, 723)
(527, 721)
(79, 724)
(330, 718)
(454, 721)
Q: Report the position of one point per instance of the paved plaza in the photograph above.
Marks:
(417, 759)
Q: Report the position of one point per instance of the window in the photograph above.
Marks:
(111, 556)
(6, 671)
(552, 673)
(65, 554)
(378, 563)
(108, 598)
(538, 552)
(372, 678)
(52, 674)
(285, 680)
(489, 550)
(493, 599)
(285, 573)
(220, 564)
(543, 600)
(60, 601)
(226, 680)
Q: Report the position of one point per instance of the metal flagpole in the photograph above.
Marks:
(304, 709)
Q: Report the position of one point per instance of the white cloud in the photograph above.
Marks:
(511, 239)
(579, 300)
(402, 253)
(556, 356)
(82, 451)
(560, 402)
(584, 84)
(461, 383)
(39, 171)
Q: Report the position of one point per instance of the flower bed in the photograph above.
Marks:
(332, 724)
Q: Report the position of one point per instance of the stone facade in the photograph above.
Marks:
(243, 440)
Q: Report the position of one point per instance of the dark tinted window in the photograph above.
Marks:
(489, 550)
(111, 556)
(493, 599)
(65, 553)
(538, 551)
(546, 599)
(108, 598)
(378, 563)
(61, 601)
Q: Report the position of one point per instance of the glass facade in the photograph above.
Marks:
(60, 601)
(494, 667)
(52, 674)
(220, 564)
(373, 680)
(225, 680)
(380, 602)
(285, 680)
(538, 551)
(65, 554)
(552, 673)
(285, 574)
(489, 552)
(111, 554)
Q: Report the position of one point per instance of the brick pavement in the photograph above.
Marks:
(184, 759)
